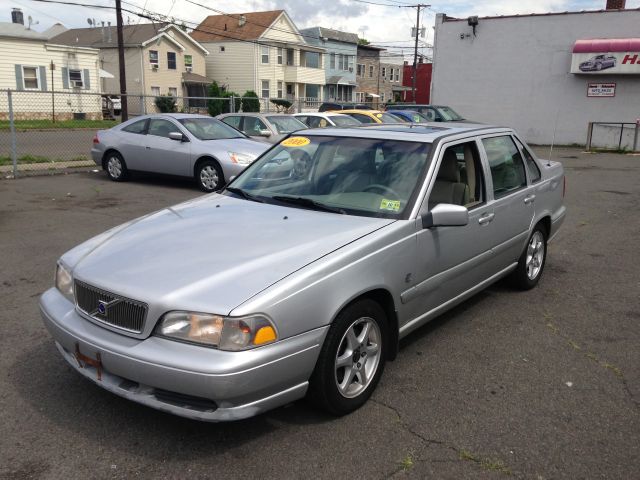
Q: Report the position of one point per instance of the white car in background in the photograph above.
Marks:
(323, 120)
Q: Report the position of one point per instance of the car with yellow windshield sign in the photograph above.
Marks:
(303, 274)
(372, 116)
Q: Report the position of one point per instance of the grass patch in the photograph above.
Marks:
(407, 462)
(486, 463)
(29, 159)
(64, 124)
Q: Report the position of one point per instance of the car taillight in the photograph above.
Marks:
(96, 139)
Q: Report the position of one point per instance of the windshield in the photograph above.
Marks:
(358, 176)
(209, 129)
(344, 121)
(449, 114)
(388, 118)
(285, 124)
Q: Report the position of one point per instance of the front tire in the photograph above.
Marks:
(352, 359)
(116, 167)
(531, 264)
(209, 176)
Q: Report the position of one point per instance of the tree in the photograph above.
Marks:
(250, 102)
(363, 41)
(215, 105)
(166, 103)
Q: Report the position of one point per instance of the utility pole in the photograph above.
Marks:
(123, 81)
(415, 50)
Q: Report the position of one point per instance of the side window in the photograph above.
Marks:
(532, 166)
(459, 180)
(232, 121)
(136, 127)
(162, 128)
(430, 114)
(304, 119)
(507, 167)
(253, 125)
(313, 122)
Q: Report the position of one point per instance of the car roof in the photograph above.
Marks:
(423, 132)
(357, 110)
(329, 113)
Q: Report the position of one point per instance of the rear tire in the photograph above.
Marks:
(116, 167)
(209, 176)
(352, 359)
(531, 263)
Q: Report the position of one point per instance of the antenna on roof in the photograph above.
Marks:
(31, 22)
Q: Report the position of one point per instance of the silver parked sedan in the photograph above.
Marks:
(301, 277)
(175, 144)
(264, 127)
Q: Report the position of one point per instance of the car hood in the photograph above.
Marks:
(237, 145)
(213, 253)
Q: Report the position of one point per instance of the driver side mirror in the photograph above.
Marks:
(264, 133)
(446, 215)
(176, 136)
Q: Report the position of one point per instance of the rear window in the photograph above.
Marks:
(344, 121)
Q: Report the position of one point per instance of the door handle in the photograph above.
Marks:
(529, 199)
(148, 148)
(486, 218)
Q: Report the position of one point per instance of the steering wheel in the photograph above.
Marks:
(380, 187)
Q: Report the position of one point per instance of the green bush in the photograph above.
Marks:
(250, 102)
(281, 104)
(215, 107)
(166, 103)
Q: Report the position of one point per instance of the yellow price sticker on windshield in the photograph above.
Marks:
(379, 115)
(295, 142)
(391, 205)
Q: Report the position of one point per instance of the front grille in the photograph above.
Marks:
(109, 308)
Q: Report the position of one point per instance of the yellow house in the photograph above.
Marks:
(47, 79)
(263, 52)
(159, 60)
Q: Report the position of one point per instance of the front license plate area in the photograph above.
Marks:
(85, 361)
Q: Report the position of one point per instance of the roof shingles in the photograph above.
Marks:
(228, 27)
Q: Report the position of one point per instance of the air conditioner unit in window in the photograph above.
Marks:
(189, 69)
(154, 66)
(77, 83)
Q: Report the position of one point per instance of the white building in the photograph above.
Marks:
(525, 71)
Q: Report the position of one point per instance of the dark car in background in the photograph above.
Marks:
(409, 116)
(331, 106)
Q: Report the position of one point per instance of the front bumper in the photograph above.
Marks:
(187, 380)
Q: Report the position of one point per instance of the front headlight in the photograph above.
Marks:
(213, 330)
(241, 158)
(64, 281)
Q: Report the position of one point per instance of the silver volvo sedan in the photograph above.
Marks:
(301, 277)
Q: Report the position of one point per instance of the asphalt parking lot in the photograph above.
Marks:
(543, 384)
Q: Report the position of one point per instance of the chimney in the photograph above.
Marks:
(616, 4)
(109, 32)
(242, 20)
(16, 16)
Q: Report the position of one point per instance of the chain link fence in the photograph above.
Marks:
(48, 131)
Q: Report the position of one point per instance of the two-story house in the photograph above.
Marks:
(340, 61)
(159, 60)
(368, 74)
(33, 67)
(263, 52)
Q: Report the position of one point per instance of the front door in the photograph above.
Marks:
(164, 155)
(452, 260)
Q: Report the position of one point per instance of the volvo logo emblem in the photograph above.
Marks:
(103, 306)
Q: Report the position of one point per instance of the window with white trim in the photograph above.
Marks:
(397, 75)
(265, 89)
(279, 88)
(265, 54)
(31, 78)
(188, 62)
(173, 91)
(350, 61)
(360, 70)
(75, 78)
(155, 91)
(280, 55)
(384, 72)
(370, 71)
(153, 58)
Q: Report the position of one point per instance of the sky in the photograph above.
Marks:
(388, 24)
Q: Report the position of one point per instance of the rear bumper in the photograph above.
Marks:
(96, 155)
(187, 380)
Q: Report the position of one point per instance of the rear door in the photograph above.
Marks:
(513, 200)
(164, 155)
(132, 143)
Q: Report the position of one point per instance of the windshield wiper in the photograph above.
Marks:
(243, 194)
(309, 203)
